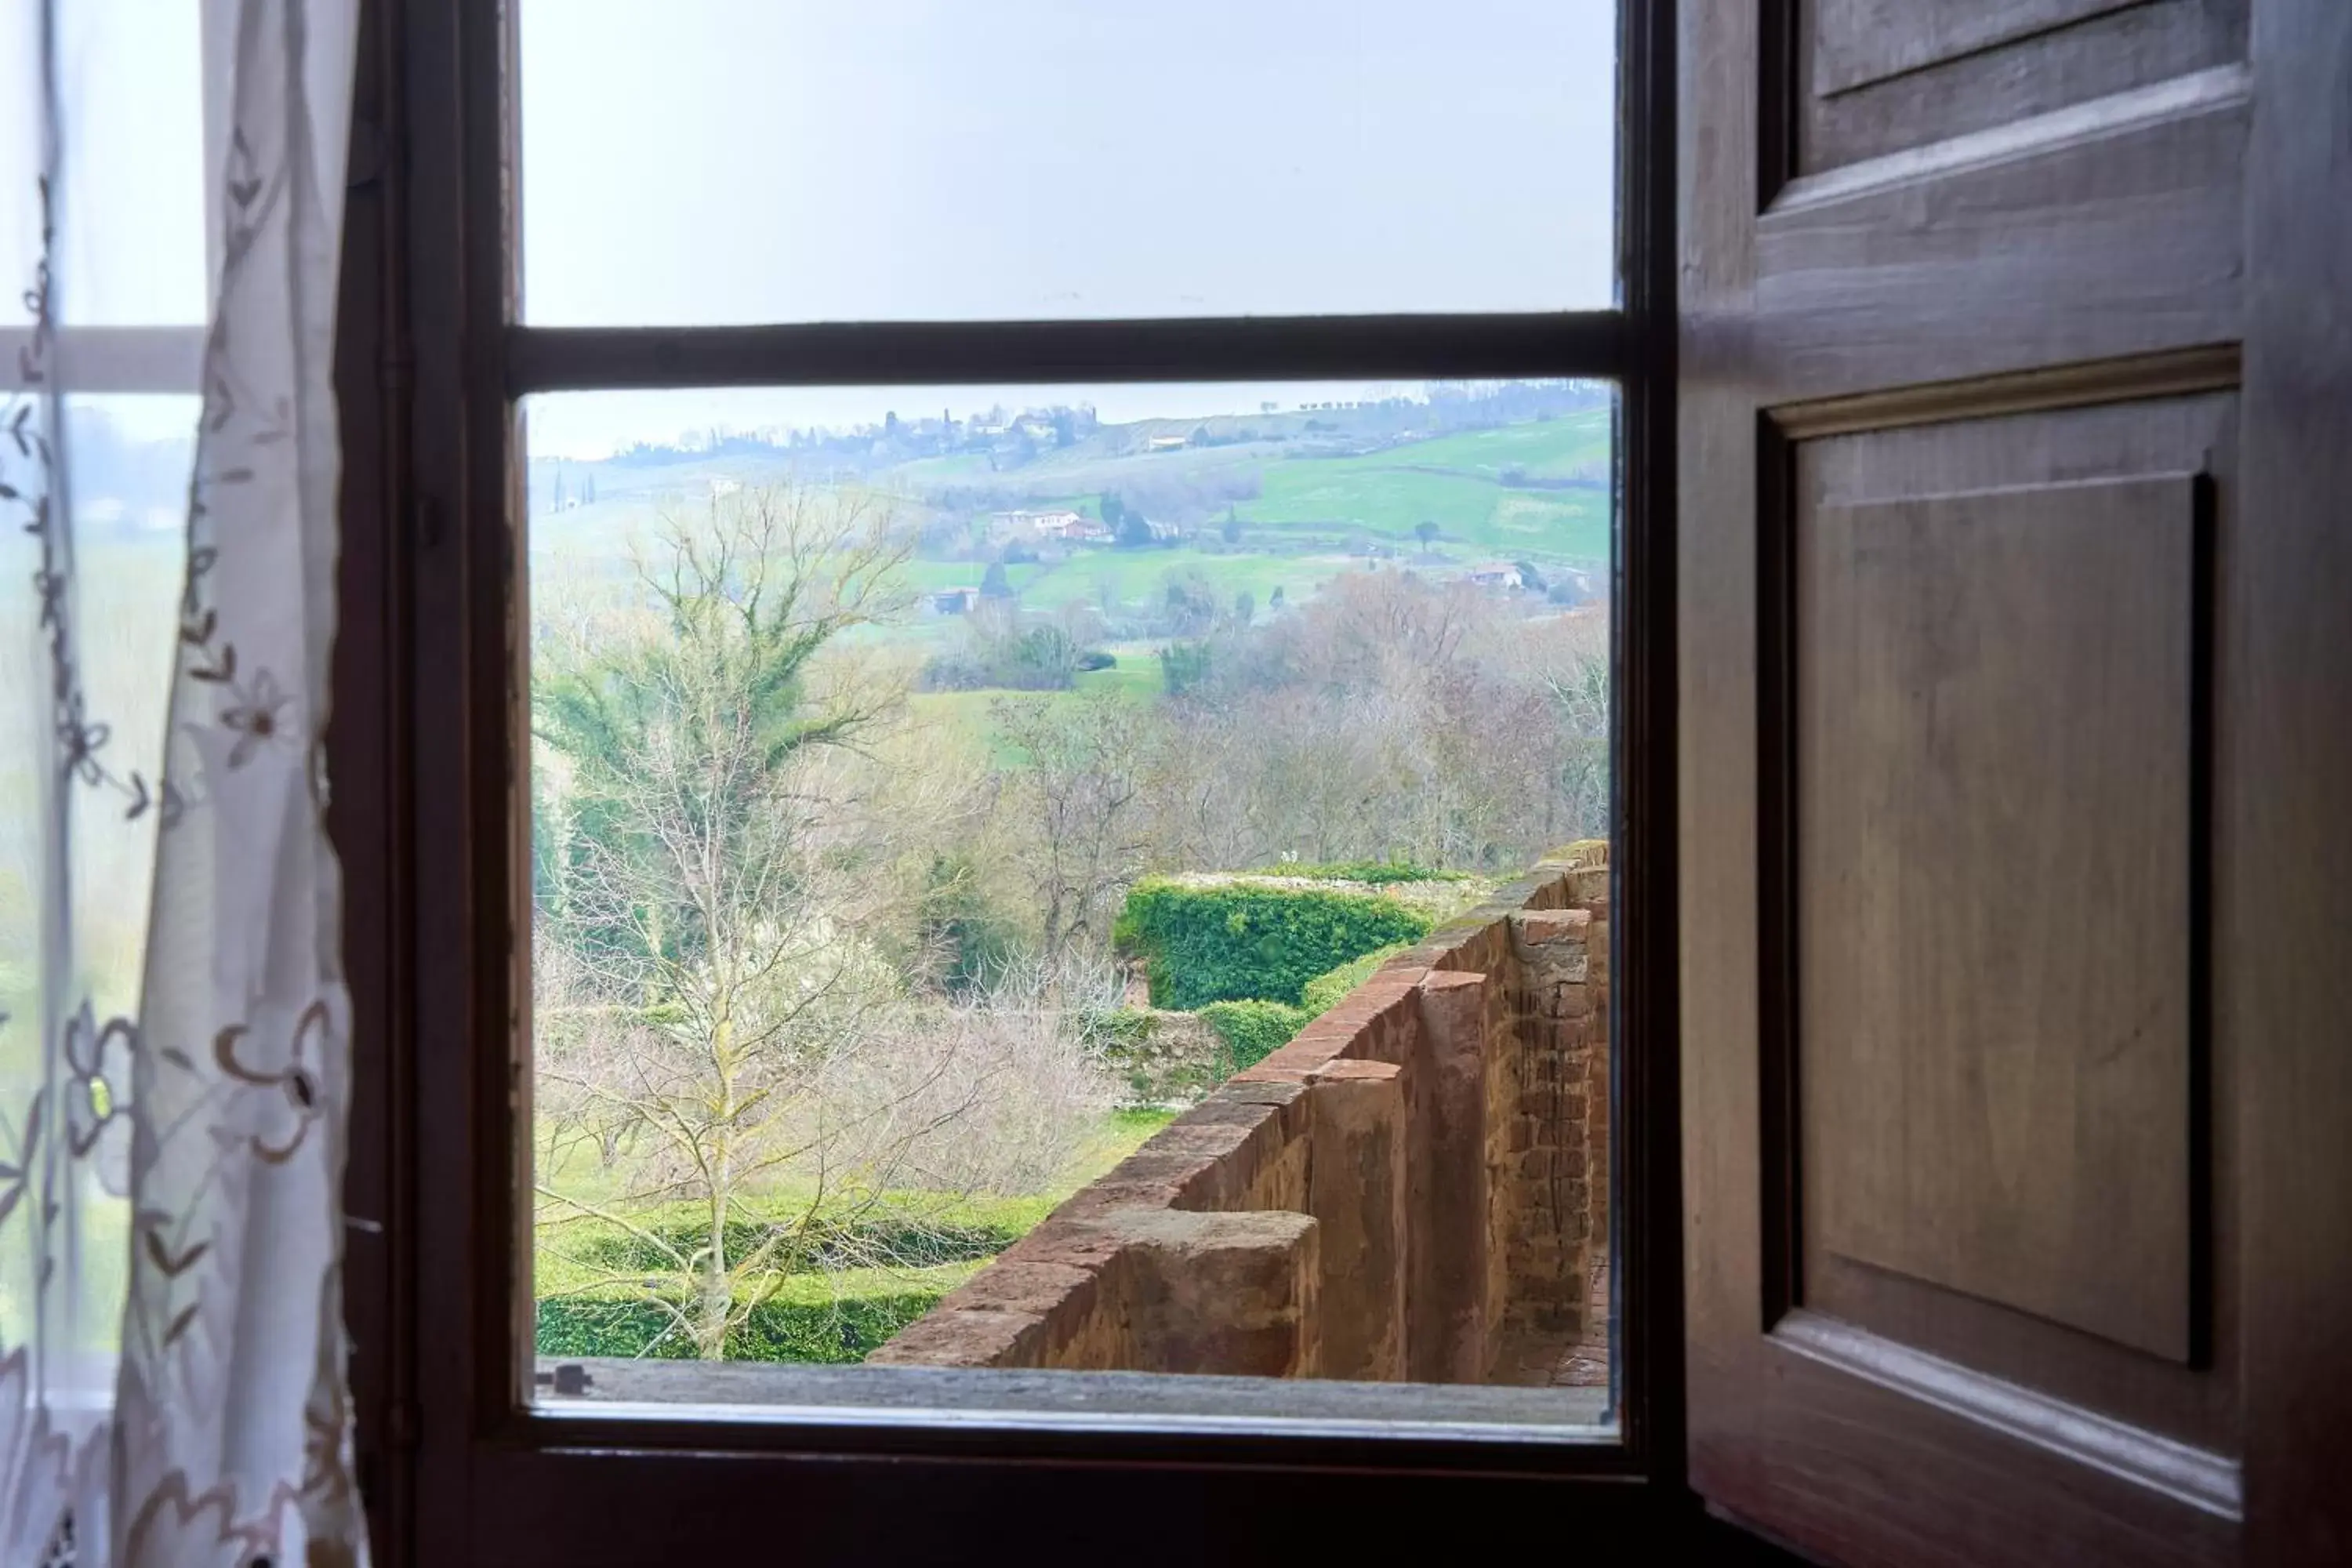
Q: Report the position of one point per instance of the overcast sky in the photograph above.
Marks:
(132, 210)
(726, 161)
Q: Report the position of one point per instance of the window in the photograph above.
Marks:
(1061, 731)
(127, 300)
(991, 844)
(993, 863)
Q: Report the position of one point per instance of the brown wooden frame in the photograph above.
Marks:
(1777, 1439)
(428, 740)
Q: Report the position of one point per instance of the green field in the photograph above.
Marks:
(1451, 482)
(1547, 448)
(932, 576)
(967, 718)
(1141, 576)
(1309, 499)
(1137, 675)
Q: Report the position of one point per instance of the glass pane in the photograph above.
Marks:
(130, 84)
(986, 840)
(735, 160)
(126, 507)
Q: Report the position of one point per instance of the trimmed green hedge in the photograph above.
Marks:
(1329, 989)
(830, 1305)
(844, 1332)
(1234, 941)
(1379, 873)
(904, 1242)
(807, 1320)
(1254, 1031)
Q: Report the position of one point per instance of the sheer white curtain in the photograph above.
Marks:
(173, 1026)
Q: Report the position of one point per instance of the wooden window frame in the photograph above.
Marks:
(429, 740)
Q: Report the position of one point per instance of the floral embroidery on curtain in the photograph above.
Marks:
(175, 1030)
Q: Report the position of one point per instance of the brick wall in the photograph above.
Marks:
(1414, 1187)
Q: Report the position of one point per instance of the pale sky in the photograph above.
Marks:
(131, 210)
(729, 161)
(700, 161)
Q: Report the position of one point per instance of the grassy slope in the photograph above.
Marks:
(1137, 576)
(1453, 483)
(1307, 505)
(1305, 508)
(968, 717)
(1549, 448)
(1138, 674)
(554, 1273)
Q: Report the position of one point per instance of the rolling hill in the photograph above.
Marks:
(1306, 502)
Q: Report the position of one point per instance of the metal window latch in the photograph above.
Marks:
(570, 1379)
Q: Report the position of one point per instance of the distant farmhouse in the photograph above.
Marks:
(1495, 574)
(1065, 527)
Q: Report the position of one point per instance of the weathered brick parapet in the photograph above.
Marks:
(1414, 1187)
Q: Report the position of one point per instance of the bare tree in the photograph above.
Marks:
(1390, 717)
(1581, 699)
(1086, 792)
(725, 1019)
(713, 963)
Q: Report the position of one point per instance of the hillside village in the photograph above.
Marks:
(1051, 509)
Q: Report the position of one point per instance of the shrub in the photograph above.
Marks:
(1161, 1057)
(1378, 873)
(1184, 667)
(970, 937)
(1253, 1031)
(1235, 942)
(999, 653)
(1120, 1030)
(810, 1319)
(907, 1241)
(1329, 989)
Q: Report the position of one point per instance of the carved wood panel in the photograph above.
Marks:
(1987, 740)
(1877, 78)
(1857, 42)
(1996, 722)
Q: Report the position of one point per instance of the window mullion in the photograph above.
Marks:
(99, 360)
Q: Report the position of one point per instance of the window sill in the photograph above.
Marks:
(970, 1397)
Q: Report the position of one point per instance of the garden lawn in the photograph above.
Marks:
(592, 1305)
(1381, 494)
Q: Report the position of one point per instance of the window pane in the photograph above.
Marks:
(986, 840)
(127, 508)
(130, 209)
(735, 160)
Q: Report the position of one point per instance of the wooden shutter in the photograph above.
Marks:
(2003, 767)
